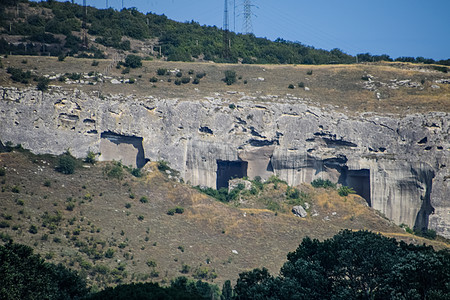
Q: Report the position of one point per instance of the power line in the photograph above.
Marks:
(248, 27)
(226, 32)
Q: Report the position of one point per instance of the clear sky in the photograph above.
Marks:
(393, 27)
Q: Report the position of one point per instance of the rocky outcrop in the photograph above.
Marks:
(400, 165)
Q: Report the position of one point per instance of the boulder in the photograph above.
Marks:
(299, 211)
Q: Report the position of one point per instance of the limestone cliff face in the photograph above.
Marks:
(399, 165)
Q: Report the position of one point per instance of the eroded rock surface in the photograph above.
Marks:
(400, 165)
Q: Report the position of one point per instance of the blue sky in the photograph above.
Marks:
(393, 27)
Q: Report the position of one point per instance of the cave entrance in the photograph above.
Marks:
(227, 170)
(359, 180)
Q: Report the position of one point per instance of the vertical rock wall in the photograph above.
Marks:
(400, 164)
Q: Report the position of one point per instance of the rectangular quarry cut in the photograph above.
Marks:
(127, 149)
(227, 170)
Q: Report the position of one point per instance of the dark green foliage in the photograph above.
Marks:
(175, 210)
(94, 63)
(291, 86)
(180, 289)
(33, 229)
(230, 77)
(114, 170)
(74, 76)
(353, 265)
(185, 80)
(227, 291)
(200, 75)
(161, 71)
(196, 81)
(136, 172)
(179, 74)
(153, 79)
(163, 166)
(144, 199)
(133, 61)
(345, 191)
(67, 163)
(317, 183)
(301, 84)
(221, 194)
(24, 275)
(310, 72)
(42, 84)
(18, 75)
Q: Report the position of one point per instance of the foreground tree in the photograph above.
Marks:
(24, 275)
(353, 265)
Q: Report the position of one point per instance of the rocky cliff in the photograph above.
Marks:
(398, 164)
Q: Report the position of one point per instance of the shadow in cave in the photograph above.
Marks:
(227, 170)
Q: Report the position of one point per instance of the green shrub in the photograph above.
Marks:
(133, 61)
(185, 80)
(114, 170)
(33, 229)
(66, 164)
(301, 84)
(2, 171)
(144, 199)
(291, 86)
(230, 77)
(126, 70)
(185, 269)
(200, 75)
(15, 189)
(196, 81)
(310, 72)
(140, 217)
(345, 191)
(18, 75)
(175, 210)
(153, 79)
(317, 183)
(74, 76)
(94, 63)
(177, 82)
(70, 206)
(161, 71)
(42, 84)
(47, 183)
(109, 253)
(179, 74)
(90, 157)
(4, 224)
(151, 263)
(127, 205)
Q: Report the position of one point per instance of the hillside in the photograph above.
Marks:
(102, 226)
(63, 28)
(386, 88)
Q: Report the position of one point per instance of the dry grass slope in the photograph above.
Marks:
(99, 226)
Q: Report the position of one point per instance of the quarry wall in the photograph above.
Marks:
(400, 165)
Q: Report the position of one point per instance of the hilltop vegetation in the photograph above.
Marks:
(55, 28)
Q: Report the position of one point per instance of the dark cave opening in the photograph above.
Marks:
(359, 180)
(227, 170)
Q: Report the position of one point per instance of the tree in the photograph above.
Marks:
(43, 83)
(67, 163)
(227, 291)
(230, 77)
(24, 275)
(353, 265)
(133, 61)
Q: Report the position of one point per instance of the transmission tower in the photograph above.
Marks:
(84, 26)
(226, 33)
(248, 28)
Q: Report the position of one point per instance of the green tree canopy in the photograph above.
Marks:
(24, 275)
(353, 265)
